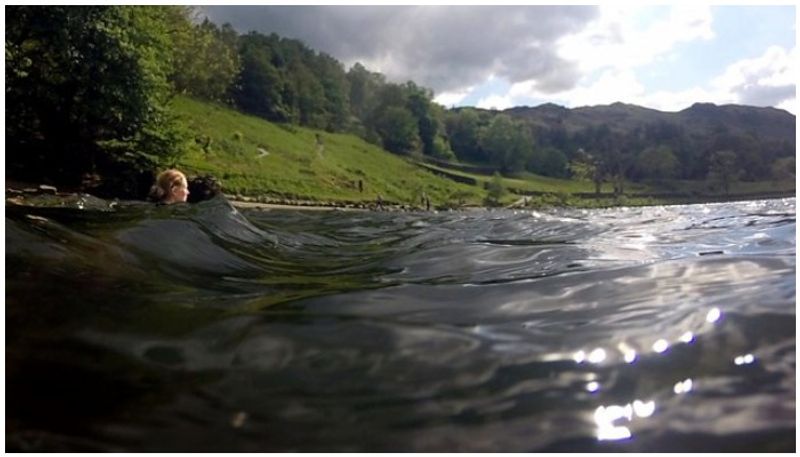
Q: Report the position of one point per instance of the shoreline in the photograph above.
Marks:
(17, 191)
(269, 206)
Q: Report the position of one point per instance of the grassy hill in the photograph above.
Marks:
(276, 162)
(254, 157)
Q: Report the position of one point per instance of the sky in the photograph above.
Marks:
(665, 57)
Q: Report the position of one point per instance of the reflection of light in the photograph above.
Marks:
(687, 337)
(628, 353)
(605, 416)
(593, 386)
(613, 432)
(644, 409)
(660, 346)
(744, 359)
(597, 356)
(683, 387)
(713, 315)
(579, 356)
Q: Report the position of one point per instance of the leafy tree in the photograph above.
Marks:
(496, 190)
(723, 169)
(364, 86)
(588, 167)
(261, 88)
(463, 127)
(308, 96)
(420, 105)
(87, 91)
(507, 144)
(206, 58)
(441, 149)
(783, 168)
(656, 163)
(398, 129)
(336, 92)
(548, 161)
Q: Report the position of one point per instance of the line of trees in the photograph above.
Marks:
(88, 92)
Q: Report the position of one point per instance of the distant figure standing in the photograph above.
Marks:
(360, 185)
(427, 203)
(380, 201)
(170, 187)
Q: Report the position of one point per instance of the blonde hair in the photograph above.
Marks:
(165, 182)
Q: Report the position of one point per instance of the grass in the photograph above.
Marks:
(297, 166)
(256, 158)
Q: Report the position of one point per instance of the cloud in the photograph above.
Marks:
(612, 47)
(767, 80)
(497, 102)
(445, 48)
(620, 37)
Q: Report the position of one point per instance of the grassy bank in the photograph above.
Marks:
(275, 162)
(253, 157)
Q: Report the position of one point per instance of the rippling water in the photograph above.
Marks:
(204, 328)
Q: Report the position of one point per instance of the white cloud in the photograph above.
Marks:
(498, 102)
(613, 85)
(619, 39)
(766, 80)
(613, 49)
(448, 99)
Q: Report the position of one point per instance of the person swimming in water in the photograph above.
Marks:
(170, 187)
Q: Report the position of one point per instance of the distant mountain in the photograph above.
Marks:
(700, 118)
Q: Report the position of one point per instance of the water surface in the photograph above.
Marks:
(132, 327)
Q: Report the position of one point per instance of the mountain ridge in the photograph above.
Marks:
(764, 122)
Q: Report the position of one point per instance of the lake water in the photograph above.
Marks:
(202, 328)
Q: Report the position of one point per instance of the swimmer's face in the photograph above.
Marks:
(179, 191)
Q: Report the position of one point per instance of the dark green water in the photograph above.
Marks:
(203, 328)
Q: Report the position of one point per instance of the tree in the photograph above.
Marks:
(206, 58)
(260, 88)
(336, 91)
(496, 190)
(463, 130)
(548, 161)
(364, 86)
(441, 149)
(783, 169)
(723, 169)
(586, 166)
(507, 144)
(419, 103)
(656, 163)
(87, 92)
(308, 96)
(398, 129)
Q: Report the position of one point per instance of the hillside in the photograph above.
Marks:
(253, 157)
(700, 119)
(279, 162)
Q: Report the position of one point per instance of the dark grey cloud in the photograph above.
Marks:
(445, 48)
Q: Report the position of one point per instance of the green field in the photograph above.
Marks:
(277, 162)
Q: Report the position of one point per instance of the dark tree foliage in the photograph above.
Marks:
(206, 56)
(87, 92)
(548, 161)
(260, 88)
(463, 129)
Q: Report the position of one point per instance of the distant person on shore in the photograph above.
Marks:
(170, 187)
